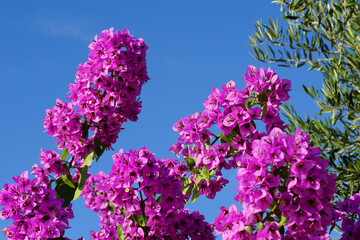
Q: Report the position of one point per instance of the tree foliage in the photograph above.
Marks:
(323, 35)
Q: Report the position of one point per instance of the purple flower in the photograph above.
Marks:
(301, 167)
(34, 208)
(262, 199)
(271, 231)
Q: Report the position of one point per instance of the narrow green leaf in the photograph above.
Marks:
(283, 221)
(264, 109)
(123, 212)
(337, 117)
(120, 233)
(82, 182)
(292, 17)
(195, 194)
(158, 200)
(307, 90)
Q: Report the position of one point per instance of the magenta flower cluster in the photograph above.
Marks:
(105, 91)
(64, 123)
(232, 224)
(283, 177)
(143, 195)
(104, 96)
(52, 164)
(283, 184)
(284, 187)
(234, 112)
(36, 211)
(269, 89)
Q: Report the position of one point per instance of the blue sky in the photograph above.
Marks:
(193, 46)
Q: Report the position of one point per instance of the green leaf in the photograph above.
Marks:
(190, 161)
(267, 92)
(67, 178)
(158, 200)
(230, 153)
(260, 225)
(140, 219)
(99, 148)
(123, 211)
(351, 116)
(283, 221)
(120, 233)
(66, 167)
(205, 173)
(226, 138)
(264, 109)
(89, 159)
(292, 17)
(298, 5)
(82, 182)
(64, 154)
(111, 206)
(282, 230)
(283, 172)
(277, 212)
(64, 191)
(308, 92)
(188, 186)
(195, 170)
(248, 229)
(337, 117)
(358, 164)
(85, 129)
(195, 194)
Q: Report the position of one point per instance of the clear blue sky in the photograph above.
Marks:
(193, 46)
